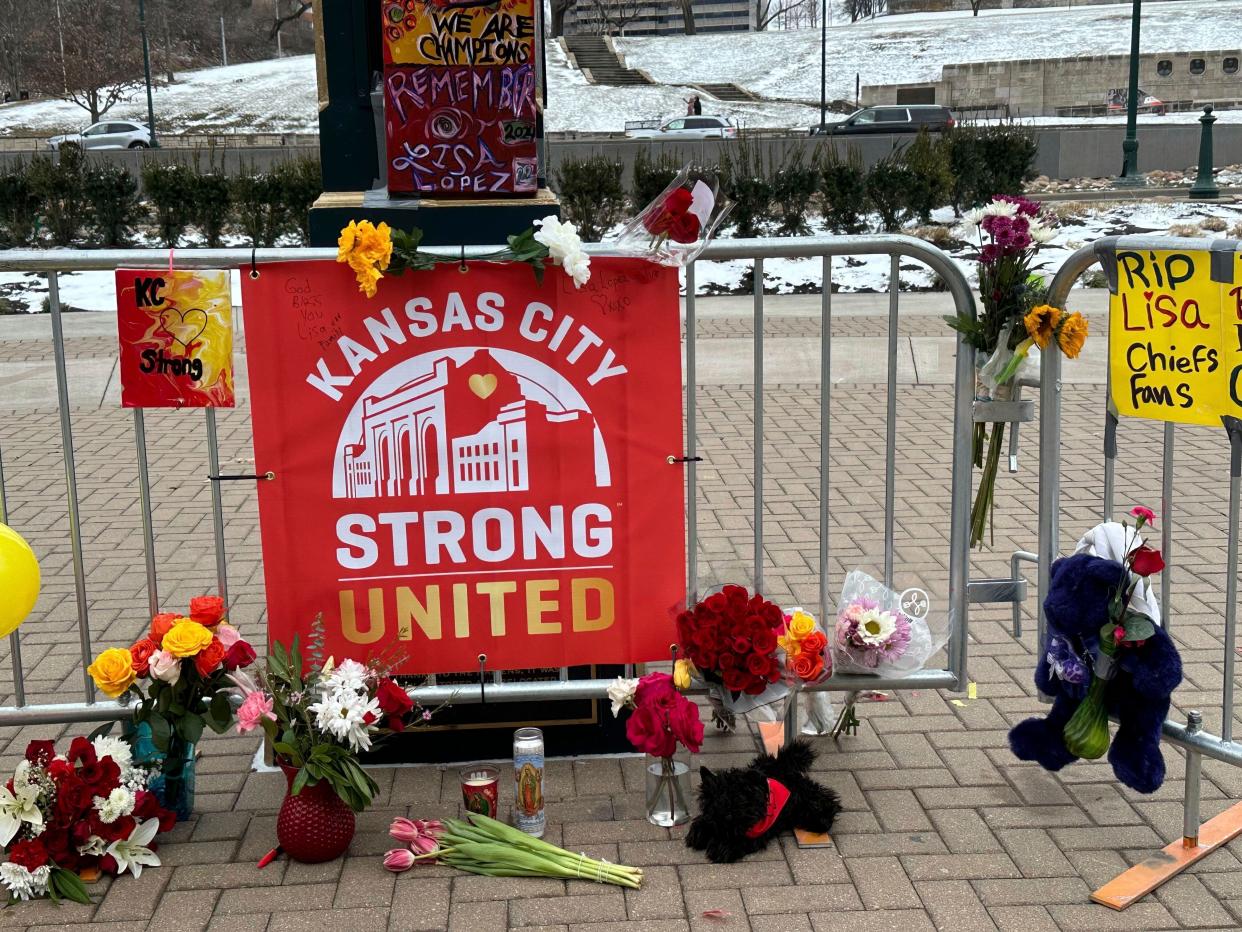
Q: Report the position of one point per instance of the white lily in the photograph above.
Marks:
(18, 808)
(132, 852)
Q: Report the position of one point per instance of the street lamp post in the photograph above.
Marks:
(146, 67)
(823, 67)
(1129, 170)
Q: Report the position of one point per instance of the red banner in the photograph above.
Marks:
(176, 333)
(470, 463)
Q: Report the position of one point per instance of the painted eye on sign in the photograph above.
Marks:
(472, 463)
(1175, 335)
(176, 335)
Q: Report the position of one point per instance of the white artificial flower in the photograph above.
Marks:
(876, 627)
(95, 846)
(132, 853)
(621, 692)
(565, 248)
(1001, 209)
(18, 807)
(165, 667)
(116, 748)
(120, 802)
(39, 878)
(17, 880)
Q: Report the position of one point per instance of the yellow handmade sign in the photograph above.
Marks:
(1175, 335)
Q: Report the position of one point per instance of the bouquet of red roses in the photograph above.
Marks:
(730, 636)
(85, 812)
(675, 227)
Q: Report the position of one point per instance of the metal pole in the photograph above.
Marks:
(217, 505)
(148, 526)
(71, 480)
(1129, 171)
(1049, 477)
(825, 432)
(1205, 184)
(692, 486)
(1190, 798)
(890, 440)
(224, 44)
(1110, 458)
(1234, 428)
(823, 68)
(758, 478)
(15, 643)
(1166, 526)
(146, 69)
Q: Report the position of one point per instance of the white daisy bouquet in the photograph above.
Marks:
(69, 817)
(875, 635)
(320, 714)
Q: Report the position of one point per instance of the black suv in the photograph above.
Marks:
(907, 118)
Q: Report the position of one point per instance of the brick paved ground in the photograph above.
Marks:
(942, 829)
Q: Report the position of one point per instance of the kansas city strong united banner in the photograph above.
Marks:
(470, 463)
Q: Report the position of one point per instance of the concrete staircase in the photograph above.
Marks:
(726, 92)
(600, 63)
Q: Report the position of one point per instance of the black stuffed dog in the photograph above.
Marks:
(741, 809)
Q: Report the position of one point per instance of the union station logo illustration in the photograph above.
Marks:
(467, 420)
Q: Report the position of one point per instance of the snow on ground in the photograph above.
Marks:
(1081, 223)
(899, 49)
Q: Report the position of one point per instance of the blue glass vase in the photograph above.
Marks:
(173, 785)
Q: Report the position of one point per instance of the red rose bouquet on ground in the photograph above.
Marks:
(178, 671)
(731, 636)
(89, 811)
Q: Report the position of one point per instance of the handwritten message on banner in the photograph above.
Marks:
(461, 110)
(1175, 336)
(470, 463)
(176, 335)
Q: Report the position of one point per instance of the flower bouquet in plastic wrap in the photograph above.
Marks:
(730, 640)
(675, 227)
(875, 634)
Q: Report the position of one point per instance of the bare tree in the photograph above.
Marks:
(102, 55)
(687, 16)
(767, 11)
(612, 16)
(861, 9)
(19, 42)
(974, 6)
(287, 11)
(559, 9)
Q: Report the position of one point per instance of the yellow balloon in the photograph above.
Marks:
(19, 580)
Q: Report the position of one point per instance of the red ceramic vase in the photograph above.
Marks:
(315, 825)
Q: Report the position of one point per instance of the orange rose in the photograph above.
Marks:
(815, 642)
(161, 624)
(210, 657)
(806, 667)
(207, 610)
(141, 653)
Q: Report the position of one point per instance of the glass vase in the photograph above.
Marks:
(173, 784)
(668, 791)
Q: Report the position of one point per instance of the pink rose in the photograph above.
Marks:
(227, 634)
(254, 708)
(165, 667)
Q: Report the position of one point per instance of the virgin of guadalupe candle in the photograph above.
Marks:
(480, 790)
(528, 812)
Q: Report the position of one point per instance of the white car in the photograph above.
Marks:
(684, 127)
(109, 134)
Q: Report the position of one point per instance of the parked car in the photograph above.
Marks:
(1118, 96)
(683, 127)
(110, 134)
(909, 118)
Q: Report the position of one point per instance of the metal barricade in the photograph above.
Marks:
(1197, 840)
(53, 262)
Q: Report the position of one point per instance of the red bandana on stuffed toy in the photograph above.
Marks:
(778, 795)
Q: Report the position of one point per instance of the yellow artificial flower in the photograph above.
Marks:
(681, 673)
(368, 250)
(1071, 335)
(801, 624)
(186, 638)
(113, 671)
(1041, 324)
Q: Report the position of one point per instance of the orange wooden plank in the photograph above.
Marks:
(773, 735)
(1134, 884)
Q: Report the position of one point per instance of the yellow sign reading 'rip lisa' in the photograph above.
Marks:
(1175, 335)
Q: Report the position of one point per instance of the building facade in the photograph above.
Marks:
(936, 6)
(586, 17)
(1073, 86)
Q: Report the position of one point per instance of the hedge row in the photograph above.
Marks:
(776, 195)
(70, 201)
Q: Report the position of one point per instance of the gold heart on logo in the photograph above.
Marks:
(185, 326)
(482, 385)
